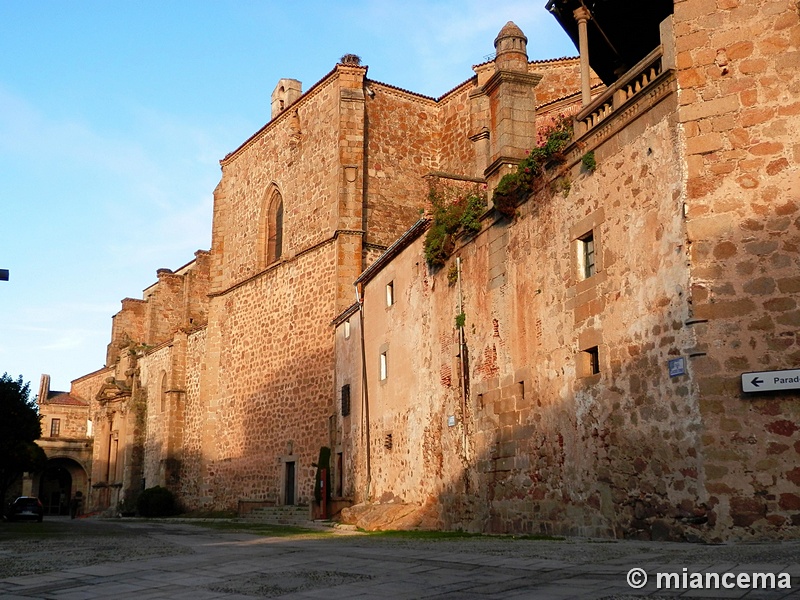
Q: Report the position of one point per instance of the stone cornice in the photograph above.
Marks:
(513, 77)
(285, 260)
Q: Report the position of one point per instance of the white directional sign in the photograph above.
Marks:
(770, 381)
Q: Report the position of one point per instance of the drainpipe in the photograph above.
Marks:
(582, 16)
(364, 393)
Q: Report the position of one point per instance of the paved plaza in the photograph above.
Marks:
(93, 559)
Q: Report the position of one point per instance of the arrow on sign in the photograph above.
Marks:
(771, 381)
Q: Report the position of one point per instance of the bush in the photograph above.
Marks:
(454, 212)
(516, 186)
(156, 502)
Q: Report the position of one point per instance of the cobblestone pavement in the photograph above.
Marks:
(93, 559)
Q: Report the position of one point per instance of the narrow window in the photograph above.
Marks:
(384, 367)
(586, 258)
(347, 329)
(55, 427)
(590, 362)
(89, 428)
(275, 229)
(346, 400)
(390, 293)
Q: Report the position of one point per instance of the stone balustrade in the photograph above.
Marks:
(635, 82)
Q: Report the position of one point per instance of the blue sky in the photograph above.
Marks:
(114, 116)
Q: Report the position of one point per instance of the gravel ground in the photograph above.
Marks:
(32, 548)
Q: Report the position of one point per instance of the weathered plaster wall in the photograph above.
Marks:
(539, 444)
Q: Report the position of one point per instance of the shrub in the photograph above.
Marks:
(454, 212)
(514, 187)
(589, 162)
(156, 502)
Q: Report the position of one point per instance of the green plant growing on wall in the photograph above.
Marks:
(452, 274)
(589, 162)
(454, 212)
(562, 186)
(461, 320)
(514, 187)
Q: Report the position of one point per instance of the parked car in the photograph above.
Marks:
(24, 508)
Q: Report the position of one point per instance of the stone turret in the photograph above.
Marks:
(511, 47)
(503, 108)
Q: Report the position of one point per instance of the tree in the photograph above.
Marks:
(19, 428)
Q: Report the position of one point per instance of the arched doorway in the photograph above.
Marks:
(60, 480)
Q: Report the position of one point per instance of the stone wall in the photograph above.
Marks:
(298, 157)
(540, 443)
(403, 146)
(739, 84)
(154, 382)
(265, 385)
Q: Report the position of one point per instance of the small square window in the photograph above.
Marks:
(589, 362)
(55, 427)
(390, 293)
(347, 329)
(384, 367)
(346, 400)
(586, 257)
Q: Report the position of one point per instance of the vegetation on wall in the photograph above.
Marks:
(458, 211)
(589, 162)
(515, 187)
(455, 211)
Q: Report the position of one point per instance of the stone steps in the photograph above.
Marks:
(281, 515)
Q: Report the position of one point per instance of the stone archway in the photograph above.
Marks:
(59, 482)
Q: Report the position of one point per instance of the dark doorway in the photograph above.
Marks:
(56, 490)
(289, 489)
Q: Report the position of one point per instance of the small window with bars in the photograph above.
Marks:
(55, 427)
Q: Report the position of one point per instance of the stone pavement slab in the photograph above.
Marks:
(142, 560)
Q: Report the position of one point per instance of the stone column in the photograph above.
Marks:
(582, 16)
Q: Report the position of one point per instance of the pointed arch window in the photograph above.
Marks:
(275, 228)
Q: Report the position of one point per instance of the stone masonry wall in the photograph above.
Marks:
(72, 419)
(86, 387)
(152, 368)
(191, 485)
(739, 84)
(542, 445)
(402, 147)
(300, 158)
(265, 385)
